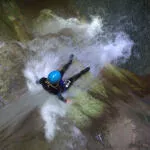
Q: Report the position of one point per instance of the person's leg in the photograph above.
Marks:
(77, 76)
(66, 66)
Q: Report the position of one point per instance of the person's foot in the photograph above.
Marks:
(86, 70)
(71, 57)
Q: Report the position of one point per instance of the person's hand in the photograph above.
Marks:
(68, 101)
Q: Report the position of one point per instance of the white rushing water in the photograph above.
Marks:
(52, 53)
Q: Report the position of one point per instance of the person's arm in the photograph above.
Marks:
(62, 98)
(39, 81)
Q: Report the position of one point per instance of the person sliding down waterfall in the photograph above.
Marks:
(56, 85)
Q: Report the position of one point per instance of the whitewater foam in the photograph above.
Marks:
(50, 112)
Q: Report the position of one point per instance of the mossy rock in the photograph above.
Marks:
(11, 16)
(84, 109)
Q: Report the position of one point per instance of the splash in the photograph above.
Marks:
(50, 113)
(38, 67)
(83, 30)
(90, 45)
(99, 54)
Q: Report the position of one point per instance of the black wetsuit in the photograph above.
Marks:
(61, 86)
(55, 89)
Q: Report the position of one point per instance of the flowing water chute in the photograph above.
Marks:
(51, 53)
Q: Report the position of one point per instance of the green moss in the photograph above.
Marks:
(89, 105)
(78, 117)
(112, 70)
(10, 14)
(117, 91)
(98, 87)
(85, 108)
(136, 82)
(124, 76)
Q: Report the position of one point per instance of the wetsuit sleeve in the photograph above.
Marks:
(40, 81)
(61, 97)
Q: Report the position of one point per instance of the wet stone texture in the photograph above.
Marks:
(27, 135)
(12, 58)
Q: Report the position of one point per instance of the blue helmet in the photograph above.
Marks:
(54, 77)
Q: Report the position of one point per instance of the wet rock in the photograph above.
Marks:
(14, 20)
(27, 135)
(12, 60)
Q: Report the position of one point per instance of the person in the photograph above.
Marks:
(56, 85)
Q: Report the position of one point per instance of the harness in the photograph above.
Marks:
(67, 83)
(51, 85)
(62, 85)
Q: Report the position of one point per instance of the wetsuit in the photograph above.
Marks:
(63, 85)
